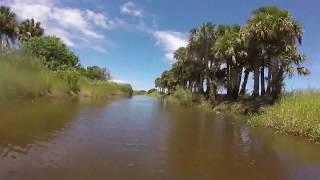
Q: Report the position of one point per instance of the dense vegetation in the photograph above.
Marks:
(33, 65)
(221, 57)
(297, 113)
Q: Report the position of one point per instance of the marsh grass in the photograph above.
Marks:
(156, 94)
(23, 76)
(295, 113)
(98, 88)
(182, 96)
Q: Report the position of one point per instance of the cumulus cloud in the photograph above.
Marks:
(170, 41)
(131, 9)
(72, 25)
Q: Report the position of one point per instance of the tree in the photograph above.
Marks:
(200, 44)
(273, 35)
(8, 27)
(221, 56)
(28, 29)
(53, 51)
(97, 73)
(231, 49)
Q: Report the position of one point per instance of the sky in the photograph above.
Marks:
(135, 39)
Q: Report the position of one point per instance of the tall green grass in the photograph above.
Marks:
(99, 88)
(296, 113)
(182, 96)
(23, 76)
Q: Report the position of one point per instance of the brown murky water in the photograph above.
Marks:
(143, 138)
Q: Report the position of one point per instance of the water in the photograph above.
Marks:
(143, 138)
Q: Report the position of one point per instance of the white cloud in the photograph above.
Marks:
(131, 9)
(75, 19)
(99, 49)
(119, 81)
(170, 41)
(99, 19)
(70, 24)
(65, 36)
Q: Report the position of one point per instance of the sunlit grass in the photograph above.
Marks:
(23, 76)
(98, 88)
(296, 113)
(155, 94)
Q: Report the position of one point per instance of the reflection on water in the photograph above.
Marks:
(143, 138)
(25, 123)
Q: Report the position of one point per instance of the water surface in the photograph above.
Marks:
(143, 138)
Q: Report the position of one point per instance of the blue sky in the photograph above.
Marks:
(135, 39)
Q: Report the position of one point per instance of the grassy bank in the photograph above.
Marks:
(23, 76)
(155, 94)
(295, 113)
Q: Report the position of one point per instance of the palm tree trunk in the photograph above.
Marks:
(229, 78)
(263, 91)
(256, 72)
(237, 83)
(244, 83)
(269, 81)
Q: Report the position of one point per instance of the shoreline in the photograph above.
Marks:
(283, 115)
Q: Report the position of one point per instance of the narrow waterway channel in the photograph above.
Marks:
(143, 138)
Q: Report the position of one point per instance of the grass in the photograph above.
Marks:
(98, 88)
(23, 76)
(295, 113)
(155, 94)
(182, 96)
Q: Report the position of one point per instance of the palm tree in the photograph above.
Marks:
(273, 35)
(231, 48)
(29, 28)
(201, 42)
(8, 26)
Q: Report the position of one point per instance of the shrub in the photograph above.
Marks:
(52, 50)
(183, 96)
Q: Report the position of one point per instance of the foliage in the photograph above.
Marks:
(45, 66)
(8, 24)
(97, 73)
(102, 89)
(24, 76)
(54, 52)
(297, 113)
(184, 97)
(156, 94)
(151, 90)
(28, 29)
(217, 57)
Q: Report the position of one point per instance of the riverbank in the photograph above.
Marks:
(23, 76)
(294, 113)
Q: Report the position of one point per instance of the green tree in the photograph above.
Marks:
(232, 50)
(97, 73)
(200, 44)
(273, 36)
(54, 52)
(28, 29)
(8, 27)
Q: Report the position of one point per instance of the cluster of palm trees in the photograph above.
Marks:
(12, 32)
(223, 57)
